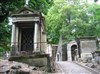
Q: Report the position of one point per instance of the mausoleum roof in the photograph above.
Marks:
(27, 14)
(26, 11)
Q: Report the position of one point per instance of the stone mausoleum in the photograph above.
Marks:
(86, 46)
(28, 31)
(28, 40)
(82, 47)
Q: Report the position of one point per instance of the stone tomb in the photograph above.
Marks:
(28, 31)
(86, 46)
(28, 37)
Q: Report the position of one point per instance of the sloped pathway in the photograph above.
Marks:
(72, 68)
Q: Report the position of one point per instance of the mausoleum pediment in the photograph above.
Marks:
(26, 14)
(27, 11)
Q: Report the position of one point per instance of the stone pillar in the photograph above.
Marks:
(36, 37)
(16, 38)
(69, 52)
(69, 55)
(43, 42)
(19, 42)
(13, 40)
(13, 35)
(17, 30)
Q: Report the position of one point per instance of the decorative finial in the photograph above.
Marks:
(26, 3)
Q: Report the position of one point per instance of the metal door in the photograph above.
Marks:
(27, 39)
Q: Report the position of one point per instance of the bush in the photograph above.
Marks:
(1, 49)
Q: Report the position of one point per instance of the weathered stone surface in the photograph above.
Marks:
(12, 67)
(4, 67)
(37, 60)
(87, 57)
(97, 59)
(88, 45)
(80, 60)
(33, 68)
(91, 65)
(4, 70)
(94, 62)
(13, 71)
(16, 67)
(25, 71)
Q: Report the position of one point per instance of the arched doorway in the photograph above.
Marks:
(73, 52)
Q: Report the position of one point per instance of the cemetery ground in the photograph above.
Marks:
(60, 67)
(11, 67)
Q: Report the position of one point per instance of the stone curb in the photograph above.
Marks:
(89, 69)
(62, 72)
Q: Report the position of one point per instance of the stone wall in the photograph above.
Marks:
(43, 42)
(87, 45)
(37, 60)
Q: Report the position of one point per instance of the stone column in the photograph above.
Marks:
(44, 43)
(13, 35)
(69, 52)
(17, 30)
(19, 42)
(16, 38)
(69, 55)
(13, 40)
(36, 37)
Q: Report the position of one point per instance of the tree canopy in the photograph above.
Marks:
(72, 19)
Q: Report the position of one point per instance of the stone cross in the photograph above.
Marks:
(26, 2)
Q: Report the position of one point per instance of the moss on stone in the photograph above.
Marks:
(14, 58)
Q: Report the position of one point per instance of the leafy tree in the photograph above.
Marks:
(94, 20)
(41, 5)
(72, 20)
(57, 19)
(5, 35)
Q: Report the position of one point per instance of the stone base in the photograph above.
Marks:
(37, 60)
(86, 57)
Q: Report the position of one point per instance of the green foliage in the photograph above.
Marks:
(1, 49)
(8, 7)
(12, 5)
(41, 5)
(72, 20)
(5, 35)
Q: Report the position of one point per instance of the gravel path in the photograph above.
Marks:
(72, 68)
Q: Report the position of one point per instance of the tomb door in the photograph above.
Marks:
(27, 39)
(73, 52)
